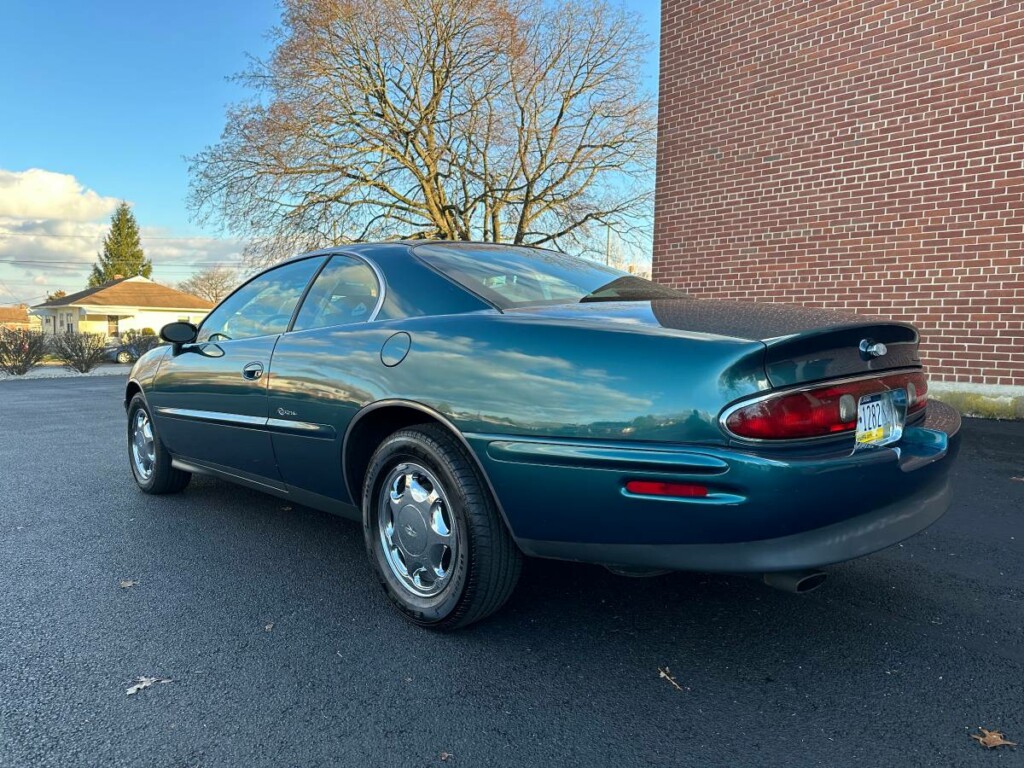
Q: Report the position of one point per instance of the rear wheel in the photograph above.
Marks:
(433, 533)
(149, 460)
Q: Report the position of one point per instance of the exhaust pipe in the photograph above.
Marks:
(797, 582)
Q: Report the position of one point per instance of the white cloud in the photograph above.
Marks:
(39, 194)
(52, 226)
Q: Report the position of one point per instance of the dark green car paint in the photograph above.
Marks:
(560, 406)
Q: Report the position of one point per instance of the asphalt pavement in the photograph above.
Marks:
(283, 652)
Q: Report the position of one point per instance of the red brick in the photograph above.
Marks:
(867, 156)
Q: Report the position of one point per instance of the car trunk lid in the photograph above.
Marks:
(803, 344)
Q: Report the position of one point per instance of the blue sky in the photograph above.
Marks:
(105, 98)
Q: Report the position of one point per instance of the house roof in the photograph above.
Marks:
(13, 314)
(129, 292)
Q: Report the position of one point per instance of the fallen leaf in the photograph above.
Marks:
(141, 683)
(1018, 479)
(286, 509)
(269, 627)
(127, 584)
(666, 674)
(991, 739)
(446, 756)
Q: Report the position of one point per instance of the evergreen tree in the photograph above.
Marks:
(122, 250)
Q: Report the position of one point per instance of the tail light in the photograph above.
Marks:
(827, 410)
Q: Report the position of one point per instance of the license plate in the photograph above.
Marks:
(879, 420)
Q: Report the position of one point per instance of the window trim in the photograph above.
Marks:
(377, 274)
(257, 276)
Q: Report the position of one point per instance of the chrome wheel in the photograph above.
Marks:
(143, 446)
(417, 530)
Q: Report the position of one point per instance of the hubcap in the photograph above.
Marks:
(417, 531)
(143, 447)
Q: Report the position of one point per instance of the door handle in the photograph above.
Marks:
(252, 371)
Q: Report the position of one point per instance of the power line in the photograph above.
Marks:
(174, 268)
(22, 301)
(8, 290)
(101, 236)
(72, 261)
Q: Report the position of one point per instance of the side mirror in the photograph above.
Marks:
(177, 334)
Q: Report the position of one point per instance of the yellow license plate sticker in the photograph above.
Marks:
(877, 421)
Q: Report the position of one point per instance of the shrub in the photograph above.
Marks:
(138, 343)
(79, 351)
(21, 350)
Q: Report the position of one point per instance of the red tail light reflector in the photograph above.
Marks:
(655, 488)
(821, 411)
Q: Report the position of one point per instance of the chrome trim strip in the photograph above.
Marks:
(231, 419)
(305, 428)
(380, 280)
(729, 410)
(565, 453)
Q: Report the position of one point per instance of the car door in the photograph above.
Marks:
(310, 407)
(210, 399)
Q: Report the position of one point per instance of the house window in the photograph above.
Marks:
(112, 329)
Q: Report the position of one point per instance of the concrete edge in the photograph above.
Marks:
(986, 401)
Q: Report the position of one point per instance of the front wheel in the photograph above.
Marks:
(433, 533)
(149, 460)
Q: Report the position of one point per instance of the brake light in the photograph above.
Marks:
(826, 410)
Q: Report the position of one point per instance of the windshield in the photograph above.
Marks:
(513, 276)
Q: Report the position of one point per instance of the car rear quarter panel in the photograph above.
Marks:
(491, 373)
(511, 375)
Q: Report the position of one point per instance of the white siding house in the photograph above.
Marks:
(128, 304)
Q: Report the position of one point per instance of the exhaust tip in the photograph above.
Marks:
(796, 582)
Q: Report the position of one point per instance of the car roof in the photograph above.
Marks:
(369, 248)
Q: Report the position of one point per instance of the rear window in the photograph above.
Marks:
(513, 276)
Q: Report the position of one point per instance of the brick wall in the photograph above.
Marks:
(860, 155)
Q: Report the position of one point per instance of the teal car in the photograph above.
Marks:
(471, 404)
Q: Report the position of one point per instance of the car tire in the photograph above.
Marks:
(124, 358)
(149, 460)
(483, 562)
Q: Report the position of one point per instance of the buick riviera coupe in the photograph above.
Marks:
(471, 404)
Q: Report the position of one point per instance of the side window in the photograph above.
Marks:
(345, 292)
(261, 307)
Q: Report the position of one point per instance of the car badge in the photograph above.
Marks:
(410, 530)
(869, 348)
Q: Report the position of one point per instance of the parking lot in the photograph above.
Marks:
(283, 652)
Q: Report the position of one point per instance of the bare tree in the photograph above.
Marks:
(212, 284)
(522, 121)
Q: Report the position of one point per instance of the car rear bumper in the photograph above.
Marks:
(764, 512)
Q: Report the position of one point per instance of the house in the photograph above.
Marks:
(18, 318)
(132, 303)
